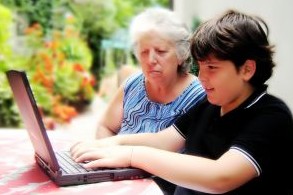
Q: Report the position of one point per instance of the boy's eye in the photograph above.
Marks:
(212, 67)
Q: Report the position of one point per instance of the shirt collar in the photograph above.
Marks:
(254, 97)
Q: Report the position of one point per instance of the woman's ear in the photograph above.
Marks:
(248, 69)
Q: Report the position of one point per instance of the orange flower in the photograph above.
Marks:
(87, 79)
(28, 30)
(45, 80)
(48, 64)
(78, 67)
(64, 112)
(36, 26)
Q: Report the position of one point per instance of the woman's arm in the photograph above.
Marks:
(110, 121)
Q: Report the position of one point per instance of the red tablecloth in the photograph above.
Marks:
(19, 174)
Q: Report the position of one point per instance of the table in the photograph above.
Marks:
(19, 174)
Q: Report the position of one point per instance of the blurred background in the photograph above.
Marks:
(67, 48)
(76, 52)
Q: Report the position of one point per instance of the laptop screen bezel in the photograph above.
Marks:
(31, 117)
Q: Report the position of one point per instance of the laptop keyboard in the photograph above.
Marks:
(68, 165)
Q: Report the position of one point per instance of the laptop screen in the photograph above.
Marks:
(31, 117)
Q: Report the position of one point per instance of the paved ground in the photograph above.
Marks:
(84, 125)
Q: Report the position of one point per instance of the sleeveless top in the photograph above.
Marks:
(141, 115)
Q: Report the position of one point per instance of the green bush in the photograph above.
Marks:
(59, 70)
(8, 111)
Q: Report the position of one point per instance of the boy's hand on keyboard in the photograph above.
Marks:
(111, 157)
(80, 147)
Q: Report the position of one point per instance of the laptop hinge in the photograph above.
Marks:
(46, 166)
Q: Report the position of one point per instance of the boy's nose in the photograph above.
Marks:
(201, 76)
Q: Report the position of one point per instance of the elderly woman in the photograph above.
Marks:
(152, 99)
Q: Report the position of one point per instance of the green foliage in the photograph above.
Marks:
(97, 22)
(36, 11)
(58, 65)
(5, 48)
(65, 77)
(42, 96)
(75, 49)
(195, 24)
(8, 111)
(124, 11)
(59, 68)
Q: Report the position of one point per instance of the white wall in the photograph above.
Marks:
(279, 17)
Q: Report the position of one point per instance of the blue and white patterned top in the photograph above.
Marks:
(140, 115)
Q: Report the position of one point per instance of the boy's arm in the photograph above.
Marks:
(228, 172)
(168, 139)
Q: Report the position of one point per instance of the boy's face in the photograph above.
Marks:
(224, 85)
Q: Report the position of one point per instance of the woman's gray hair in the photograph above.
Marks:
(168, 23)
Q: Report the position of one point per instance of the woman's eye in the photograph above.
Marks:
(160, 51)
(144, 52)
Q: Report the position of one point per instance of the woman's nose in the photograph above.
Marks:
(152, 57)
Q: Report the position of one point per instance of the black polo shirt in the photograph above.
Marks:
(261, 128)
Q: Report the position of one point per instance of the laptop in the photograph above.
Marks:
(58, 165)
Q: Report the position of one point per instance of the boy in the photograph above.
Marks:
(237, 141)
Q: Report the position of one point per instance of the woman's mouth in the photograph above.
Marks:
(154, 72)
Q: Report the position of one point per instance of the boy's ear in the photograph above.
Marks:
(248, 69)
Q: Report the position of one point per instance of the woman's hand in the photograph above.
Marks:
(111, 157)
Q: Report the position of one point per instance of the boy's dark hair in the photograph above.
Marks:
(236, 37)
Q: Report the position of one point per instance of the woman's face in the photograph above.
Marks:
(157, 56)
